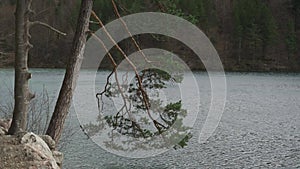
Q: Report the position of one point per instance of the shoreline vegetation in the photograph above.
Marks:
(248, 35)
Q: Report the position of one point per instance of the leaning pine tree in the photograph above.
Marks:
(66, 92)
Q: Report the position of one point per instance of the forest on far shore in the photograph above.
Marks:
(249, 35)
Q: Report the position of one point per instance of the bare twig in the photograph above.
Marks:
(131, 36)
(125, 99)
(145, 98)
(123, 8)
(29, 9)
(93, 22)
(47, 26)
(3, 53)
(161, 6)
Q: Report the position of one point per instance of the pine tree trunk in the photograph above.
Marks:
(22, 94)
(63, 103)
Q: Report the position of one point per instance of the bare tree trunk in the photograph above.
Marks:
(63, 103)
(21, 92)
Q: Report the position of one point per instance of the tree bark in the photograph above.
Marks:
(63, 103)
(22, 94)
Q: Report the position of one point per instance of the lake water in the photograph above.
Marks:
(260, 126)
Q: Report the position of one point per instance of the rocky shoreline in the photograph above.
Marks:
(28, 150)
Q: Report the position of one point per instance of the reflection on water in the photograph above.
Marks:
(259, 128)
(125, 126)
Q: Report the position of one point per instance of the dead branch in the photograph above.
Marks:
(93, 22)
(125, 99)
(161, 6)
(3, 53)
(126, 28)
(123, 8)
(145, 98)
(29, 9)
(47, 26)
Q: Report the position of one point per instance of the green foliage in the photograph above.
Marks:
(105, 10)
(135, 121)
(183, 142)
(296, 11)
(196, 11)
(203, 10)
(172, 8)
(6, 2)
(255, 26)
(173, 106)
(296, 6)
(291, 39)
(74, 15)
(267, 25)
(13, 2)
(131, 6)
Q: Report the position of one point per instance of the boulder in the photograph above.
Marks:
(28, 150)
(38, 149)
(5, 124)
(58, 156)
(50, 142)
(2, 131)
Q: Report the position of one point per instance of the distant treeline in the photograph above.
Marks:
(249, 35)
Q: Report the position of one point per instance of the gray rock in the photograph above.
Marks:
(27, 150)
(39, 149)
(50, 142)
(5, 123)
(2, 131)
(58, 156)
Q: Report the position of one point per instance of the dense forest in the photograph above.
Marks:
(249, 35)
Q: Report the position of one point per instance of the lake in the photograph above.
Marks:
(260, 125)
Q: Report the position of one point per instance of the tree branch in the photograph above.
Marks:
(47, 26)
(116, 78)
(3, 53)
(145, 98)
(29, 9)
(93, 22)
(127, 29)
